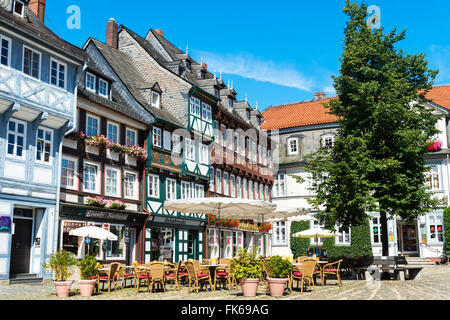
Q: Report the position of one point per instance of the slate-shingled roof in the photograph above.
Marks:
(32, 27)
(125, 70)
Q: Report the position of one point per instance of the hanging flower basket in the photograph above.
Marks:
(96, 202)
(434, 146)
(265, 227)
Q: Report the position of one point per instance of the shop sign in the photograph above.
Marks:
(5, 223)
(248, 227)
(106, 215)
(69, 225)
(176, 221)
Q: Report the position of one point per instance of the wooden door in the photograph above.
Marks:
(21, 246)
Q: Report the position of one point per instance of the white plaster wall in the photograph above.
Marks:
(14, 170)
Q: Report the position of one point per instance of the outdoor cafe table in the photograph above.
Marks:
(212, 266)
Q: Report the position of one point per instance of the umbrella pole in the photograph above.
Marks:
(264, 239)
(220, 244)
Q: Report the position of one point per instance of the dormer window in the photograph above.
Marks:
(259, 121)
(202, 75)
(217, 93)
(19, 8)
(230, 104)
(248, 115)
(181, 71)
(188, 64)
(90, 82)
(156, 99)
(103, 88)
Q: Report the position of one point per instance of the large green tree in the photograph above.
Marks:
(377, 162)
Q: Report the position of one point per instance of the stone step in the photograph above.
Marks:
(25, 278)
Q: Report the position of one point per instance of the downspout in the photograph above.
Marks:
(145, 190)
(74, 126)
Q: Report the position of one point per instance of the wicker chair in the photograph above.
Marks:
(332, 269)
(124, 276)
(266, 273)
(110, 278)
(305, 273)
(196, 276)
(156, 270)
(141, 275)
(174, 274)
(300, 259)
(223, 274)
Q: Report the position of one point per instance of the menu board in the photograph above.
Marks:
(70, 225)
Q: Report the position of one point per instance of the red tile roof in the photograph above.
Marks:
(308, 113)
(297, 114)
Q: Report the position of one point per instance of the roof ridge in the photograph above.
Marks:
(299, 102)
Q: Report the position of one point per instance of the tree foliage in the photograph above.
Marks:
(377, 162)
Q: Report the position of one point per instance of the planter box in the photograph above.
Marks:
(92, 149)
(129, 160)
(112, 155)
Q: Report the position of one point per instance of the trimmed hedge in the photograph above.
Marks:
(447, 228)
(361, 244)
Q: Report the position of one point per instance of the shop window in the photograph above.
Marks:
(213, 243)
(70, 243)
(116, 249)
(435, 225)
(162, 244)
(238, 237)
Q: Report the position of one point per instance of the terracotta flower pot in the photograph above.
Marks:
(249, 287)
(277, 286)
(63, 288)
(86, 287)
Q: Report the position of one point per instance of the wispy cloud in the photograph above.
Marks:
(248, 66)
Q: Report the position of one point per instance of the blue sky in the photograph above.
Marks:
(276, 52)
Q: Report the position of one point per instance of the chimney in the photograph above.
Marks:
(205, 66)
(319, 95)
(160, 32)
(38, 8)
(112, 33)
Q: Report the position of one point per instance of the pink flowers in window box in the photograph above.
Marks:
(434, 146)
(104, 203)
(98, 141)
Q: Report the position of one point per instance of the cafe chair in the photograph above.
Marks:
(197, 277)
(156, 270)
(124, 275)
(223, 274)
(172, 274)
(141, 275)
(305, 274)
(110, 278)
(332, 269)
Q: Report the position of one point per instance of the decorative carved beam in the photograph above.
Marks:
(42, 117)
(9, 112)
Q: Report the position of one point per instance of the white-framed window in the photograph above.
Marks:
(167, 140)
(112, 181)
(157, 137)
(19, 8)
(239, 187)
(435, 223)
(199, 191)
(316, 241)
(328, 142)
(171, 189)
(116, 249)
(206, 112)
(156, 99)
(266, 193)
(131, 135)
(376, 230)
(236, 143)
(230, 139)
(58, 71)
(279, 187)
(92, 125)
(69, 173)
(250, 190)
(176, 143)
(218, 181)
(211, 179)
(44, 139)
(213, 243)
(432, 178)
(112, 132)
(279, 233)
(131, 185)
(195, 107)
(223, 130)
(242, 151)
(261, 191)
(244, 189)
(5, 51)
(345, 237)
(103, 88)
(259, 154)
(230, 104)
(269, 158)
(185, 190)
(233, 186)
(225, 184)
(204, 154)
(255, 192)
(90, 82)
(254, 151)
(217, 132)
(31, 62)
(292, 146)
(189, 146)
(16, 138)
(91, 177)
(153, 186)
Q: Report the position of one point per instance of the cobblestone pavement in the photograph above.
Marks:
(433, 283)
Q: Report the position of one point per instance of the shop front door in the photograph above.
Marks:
(192, 245)
(409, 239)
(21, 246)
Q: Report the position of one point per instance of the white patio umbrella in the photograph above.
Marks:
(284, 213)
(316, 233)
(93, 232)
(223, 208)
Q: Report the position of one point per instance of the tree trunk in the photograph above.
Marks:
(384, 233)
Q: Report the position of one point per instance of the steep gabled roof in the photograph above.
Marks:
(440, 95)
(122, 65)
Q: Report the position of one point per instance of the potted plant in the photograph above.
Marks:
(88, 266)
(247, 268)
(60, 263)
(278, 271)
